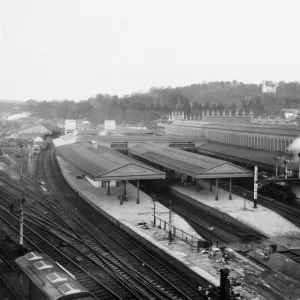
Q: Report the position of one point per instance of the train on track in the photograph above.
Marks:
(280, 191)
(41, 278)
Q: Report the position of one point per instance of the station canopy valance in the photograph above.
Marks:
(195, 165)
(104, 164)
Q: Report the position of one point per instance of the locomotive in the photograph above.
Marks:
(279, 191)
(41, 278)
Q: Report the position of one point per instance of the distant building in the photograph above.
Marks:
(70, 126)
(269, 87)
(110, 125)
(33, 132)
(291, 113)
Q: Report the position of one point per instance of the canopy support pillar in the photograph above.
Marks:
(124, 187)
(210, 186)
(197, 185)
(121, 193)
(230, 187)
(217, 192)
(108, 188)
(138, 192)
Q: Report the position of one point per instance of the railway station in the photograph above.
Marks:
(190, 167)
(103, 167)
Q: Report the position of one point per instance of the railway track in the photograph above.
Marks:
(287, 211)
(49, 245)
(161, 274)
(95, 252)
(154, 277)
(224, 231)
(7, 290)
(292, 254)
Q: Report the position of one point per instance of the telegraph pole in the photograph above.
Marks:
(170, 221)
(21, 157)
(21, 210)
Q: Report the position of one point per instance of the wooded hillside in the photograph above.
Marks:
(161, 101)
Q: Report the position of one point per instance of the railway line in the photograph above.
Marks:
(131, 250)
(6, 278)
(292, 254)
(224, 231)
(46, 244)
(135, 268)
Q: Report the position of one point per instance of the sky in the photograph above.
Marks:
(73, 49)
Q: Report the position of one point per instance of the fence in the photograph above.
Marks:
(181, 234)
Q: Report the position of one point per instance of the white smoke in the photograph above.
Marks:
(295, 145)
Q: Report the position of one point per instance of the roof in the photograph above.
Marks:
(195, 165)
(277, 130)
(49, 277)
(37, 128)
(144, 138)
(106, 164)
(264, 159)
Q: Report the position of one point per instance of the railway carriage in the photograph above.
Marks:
(41, 278)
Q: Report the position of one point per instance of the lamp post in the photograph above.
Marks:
(154, 218)
(210, 235)
(170, 221)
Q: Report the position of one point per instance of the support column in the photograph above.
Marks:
(124, 187)
(138, 192)
(197, 185)
(108, 188)
(217, 192)
(210, 186)
(121, 197)
(230, 186)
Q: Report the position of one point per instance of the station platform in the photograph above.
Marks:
(262, 219)
(131, 215)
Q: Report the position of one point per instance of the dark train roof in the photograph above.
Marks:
(51, 278)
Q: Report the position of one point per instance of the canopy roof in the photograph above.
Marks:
(264, 159)
(103, 164)
(195, 165)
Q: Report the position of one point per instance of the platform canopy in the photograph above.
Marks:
(260, 158)
(142, 138)
(104, 164)
(195, 165)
